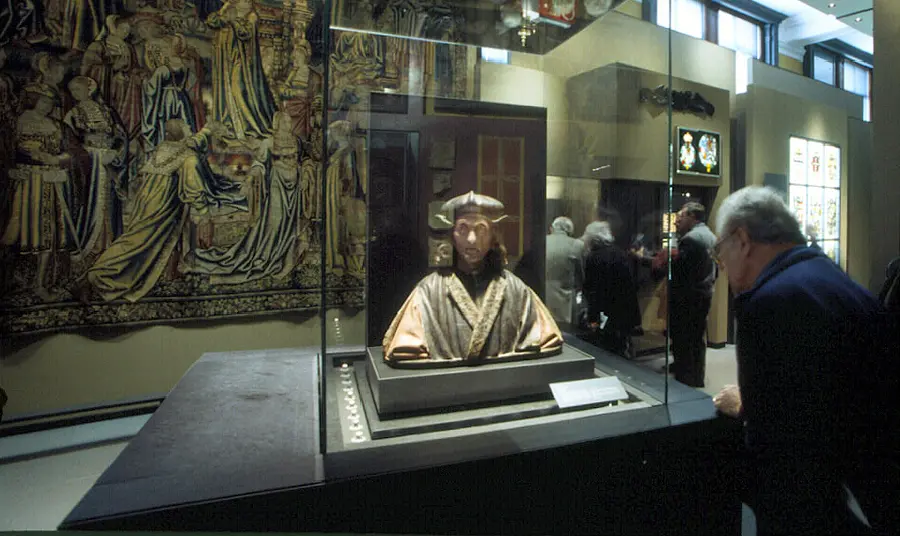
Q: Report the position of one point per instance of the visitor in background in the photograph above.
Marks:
(609, 292)
(690, 294)
(817, 377)
(564, 269)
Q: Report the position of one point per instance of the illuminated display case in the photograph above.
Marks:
(815, 192)
(398, 115)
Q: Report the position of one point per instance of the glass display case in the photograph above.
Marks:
(425, 106)
(475, 206)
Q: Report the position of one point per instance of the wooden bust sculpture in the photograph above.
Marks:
(476, 311)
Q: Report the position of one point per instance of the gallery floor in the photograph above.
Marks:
(39, 490)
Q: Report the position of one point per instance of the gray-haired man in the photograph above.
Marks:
(817, 376)
(690, 294)
(564, 269)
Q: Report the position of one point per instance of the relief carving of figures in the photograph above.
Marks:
(83, 21)
(358, 60)
(242, 99)
(103, 137)
(49, 74)
(271, 246)
(8, 105)
(21, 20)
(112, 62)
(311, 168)
(152, 156)
(192, 60)
(177, 183)
(342, 181)
(297, 16)
(40, 223)
(166, 94)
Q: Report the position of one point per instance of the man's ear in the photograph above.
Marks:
(743, 238)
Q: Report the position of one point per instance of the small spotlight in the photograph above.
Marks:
(858, 19)
(831, 5)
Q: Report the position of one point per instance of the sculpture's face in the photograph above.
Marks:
(472, 238)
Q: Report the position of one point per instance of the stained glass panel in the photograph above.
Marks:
(798, 161)
(816, 215)
(830, 247)
(832, 166)
(832, 213)
(798, 204)
(815, 153)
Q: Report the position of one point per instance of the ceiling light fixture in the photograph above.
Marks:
(831, 5)
(858, 19)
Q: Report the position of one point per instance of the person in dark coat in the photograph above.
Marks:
(609, 292)
(690, 294)
(817, 377)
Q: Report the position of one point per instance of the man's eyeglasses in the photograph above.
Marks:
(717, 247)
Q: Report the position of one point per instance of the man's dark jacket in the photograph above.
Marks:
(816, 362)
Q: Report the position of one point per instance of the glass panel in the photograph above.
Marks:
(687, 16)
(857, 79)
(799, 204)
(832, 249)
(832, 166)
(832, 214)
(798, 161)
(815, 171)
(739, 34)
(420, 113)
(495, 55)
(815, 219)
(818, 210)
(823, 68)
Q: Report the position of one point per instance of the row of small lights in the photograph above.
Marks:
(832, 5)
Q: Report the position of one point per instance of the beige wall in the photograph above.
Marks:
(885, 226)
(618, 38)
(790, 64)
(65, 370)
(632, 8)
(527, 86)
(859, 202)
(772, 118)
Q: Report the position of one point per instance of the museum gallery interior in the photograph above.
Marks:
(312, 245)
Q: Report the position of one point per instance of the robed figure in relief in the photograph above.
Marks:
(242, 99)
(475, 312)
(177, 184)
(271, 246)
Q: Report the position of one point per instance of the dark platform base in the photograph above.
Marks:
(412, 390)
(460, 417)
(233, 448)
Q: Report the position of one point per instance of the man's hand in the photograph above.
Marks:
(728, 401)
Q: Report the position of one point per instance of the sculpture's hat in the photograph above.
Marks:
(472, 203)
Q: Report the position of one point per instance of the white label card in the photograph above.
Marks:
(585, 392)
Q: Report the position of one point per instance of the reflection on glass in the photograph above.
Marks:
(535, 26)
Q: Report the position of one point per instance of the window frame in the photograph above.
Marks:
(841, 53)
(760, 27)
(767, 19)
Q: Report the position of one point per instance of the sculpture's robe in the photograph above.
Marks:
(452, 318)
